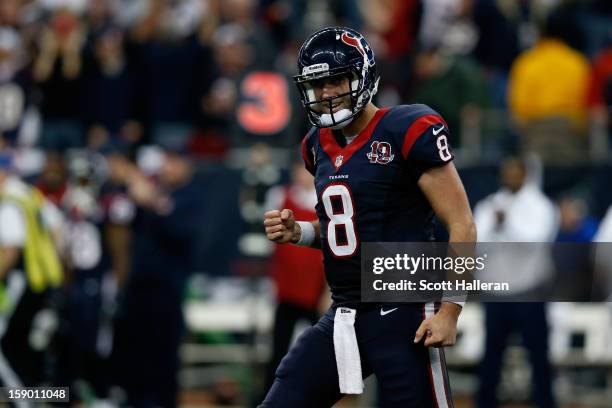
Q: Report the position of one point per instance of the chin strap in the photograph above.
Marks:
(339, 118)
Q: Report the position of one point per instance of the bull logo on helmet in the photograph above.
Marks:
(360, 44)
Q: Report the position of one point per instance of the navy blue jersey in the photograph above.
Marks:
(367, 190)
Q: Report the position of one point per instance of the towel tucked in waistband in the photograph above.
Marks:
(348, 360)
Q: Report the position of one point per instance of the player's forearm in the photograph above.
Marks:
(297, 234)
(464, 231)
(459, 232)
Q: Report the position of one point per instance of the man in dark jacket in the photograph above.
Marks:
(166, 228)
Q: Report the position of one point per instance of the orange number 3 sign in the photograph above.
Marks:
(266, 109)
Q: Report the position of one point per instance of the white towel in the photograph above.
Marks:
(348, 360)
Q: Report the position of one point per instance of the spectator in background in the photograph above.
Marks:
(97, 250)
(507, 27)
(548, 94)
(519, 212)
(172, 20)
(18, 106)
(448, 23)
(241, 13)
(164, 62)
(393, 29)
(258, 176)
(57, 70)
(209, 139)
(119, 210)
(498, 33)
(30, 270)
(394, 24)
(151, 328)
(211, 19)
(107, 76)
(52, 181)
(551, 79)
(10, 11)
(236, 104)
(576, 225)
(232, 56)
(100, 14)
(283, 19)
(297, 271)
(499, 25)
(304, 16)
(600, 90)
(573, 263)
(452, 85)
(25, 16)
(85, 264)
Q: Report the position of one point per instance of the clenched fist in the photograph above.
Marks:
(281, 226)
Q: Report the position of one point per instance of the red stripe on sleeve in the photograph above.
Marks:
(416, 129)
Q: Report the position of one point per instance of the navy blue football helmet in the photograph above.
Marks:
(335, 52)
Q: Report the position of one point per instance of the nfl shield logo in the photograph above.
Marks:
(339, 160)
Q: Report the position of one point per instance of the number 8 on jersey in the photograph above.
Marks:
(341, 235)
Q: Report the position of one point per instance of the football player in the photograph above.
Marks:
(381, 174)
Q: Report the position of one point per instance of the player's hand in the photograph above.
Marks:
(281, 226)
(440, 330)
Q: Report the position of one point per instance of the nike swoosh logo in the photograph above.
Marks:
(385, 312)
(436, 131)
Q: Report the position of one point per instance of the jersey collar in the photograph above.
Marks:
(340, 155)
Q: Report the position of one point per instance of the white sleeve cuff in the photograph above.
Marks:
(457, 302)
(308, 234)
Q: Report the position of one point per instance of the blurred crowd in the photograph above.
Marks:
(78, 73)
(146, 122)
